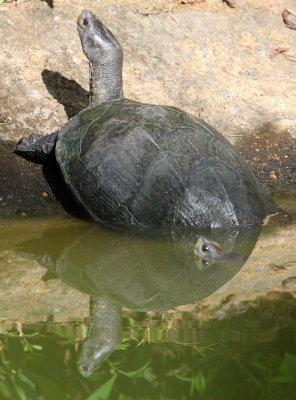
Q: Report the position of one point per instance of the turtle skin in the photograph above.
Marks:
(138, 164)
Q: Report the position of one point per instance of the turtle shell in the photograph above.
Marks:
(133, 163)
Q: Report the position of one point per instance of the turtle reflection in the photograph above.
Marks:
(139, 269)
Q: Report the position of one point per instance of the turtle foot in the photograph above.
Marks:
(36, 148)
(26, 147)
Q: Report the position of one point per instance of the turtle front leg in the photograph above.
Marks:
(36, 148)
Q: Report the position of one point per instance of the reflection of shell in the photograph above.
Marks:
(144, 269)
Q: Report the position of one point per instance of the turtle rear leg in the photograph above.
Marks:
(36, 148)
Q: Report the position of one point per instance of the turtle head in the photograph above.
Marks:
(98, 43)
(208, 249)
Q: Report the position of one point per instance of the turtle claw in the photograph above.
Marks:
(34, 138)
(30, 141)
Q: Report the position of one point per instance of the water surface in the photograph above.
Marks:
(89, 312)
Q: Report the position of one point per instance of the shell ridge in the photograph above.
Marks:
(155, 163)
(192, 145)
(229, 204)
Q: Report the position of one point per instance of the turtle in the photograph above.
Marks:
(141, 269)
(132, 163)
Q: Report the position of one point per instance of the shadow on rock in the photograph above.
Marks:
(25, 183)
(62, 194)
(31, 189)
(23, 188)
(49, 2)
(66, 91)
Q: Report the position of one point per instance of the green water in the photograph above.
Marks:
(74, 293)
(248, 357)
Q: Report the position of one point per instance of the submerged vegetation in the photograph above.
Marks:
(250, 355)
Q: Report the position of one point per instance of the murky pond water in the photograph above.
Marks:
(89, 312)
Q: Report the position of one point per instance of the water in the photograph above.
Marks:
(89, 312)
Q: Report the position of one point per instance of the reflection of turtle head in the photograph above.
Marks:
(104, 336)
(92, 357)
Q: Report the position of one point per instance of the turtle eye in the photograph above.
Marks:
(82, 21)
(205, 248)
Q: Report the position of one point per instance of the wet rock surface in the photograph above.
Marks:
(214, 61)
